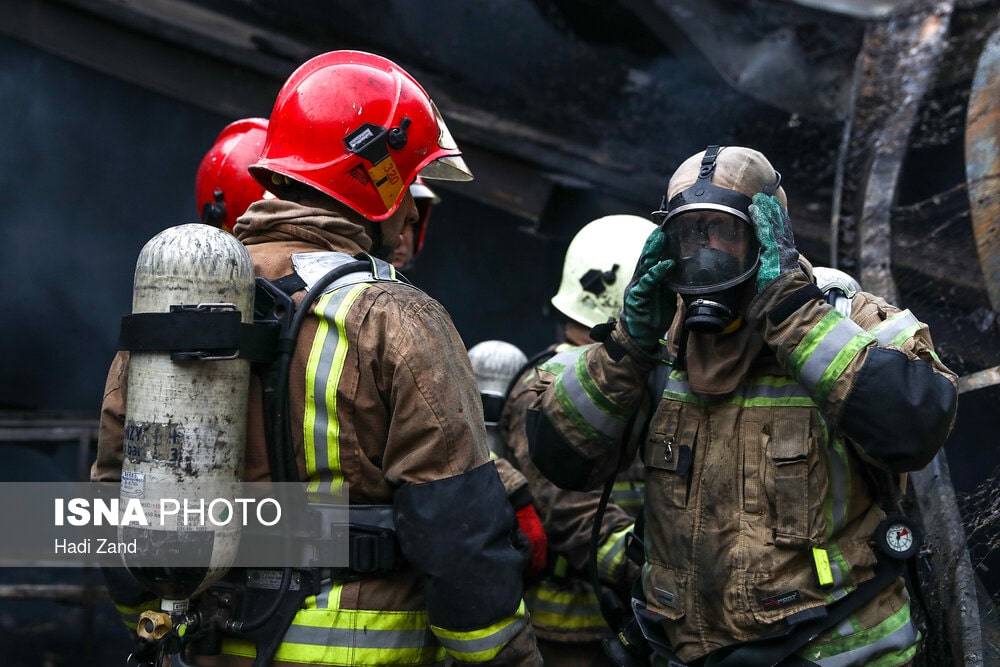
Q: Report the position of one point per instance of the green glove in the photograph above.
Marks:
(650, 305)
(777, 245)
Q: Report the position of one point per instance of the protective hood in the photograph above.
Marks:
(717, 363)
(282, 220)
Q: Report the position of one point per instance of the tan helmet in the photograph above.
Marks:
(599, 262)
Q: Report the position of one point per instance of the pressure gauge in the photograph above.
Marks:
(897, 537)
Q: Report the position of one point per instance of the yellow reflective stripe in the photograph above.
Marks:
(310, 406)
(353, 637)
(484, 644)
(825, 351)
(628, 495)
(835, 504)
(765, 391)
(891, 642)
(611, 554)
(561, 566)
(555, 607)
(321, 428)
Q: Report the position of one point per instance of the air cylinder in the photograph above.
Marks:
(185, 422)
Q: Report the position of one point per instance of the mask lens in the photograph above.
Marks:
(712, 250)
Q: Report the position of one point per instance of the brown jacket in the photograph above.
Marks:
(743, 487)
(407, 405)
(568, 518)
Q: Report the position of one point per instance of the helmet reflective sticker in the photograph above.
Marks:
(370, 142)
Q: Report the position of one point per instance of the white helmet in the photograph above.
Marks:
(599, 263)
(495, 363)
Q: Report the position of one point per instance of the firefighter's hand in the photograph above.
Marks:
(531, 525)
(774, 232)
(650, 305)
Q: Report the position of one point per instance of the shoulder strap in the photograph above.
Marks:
(311, 266)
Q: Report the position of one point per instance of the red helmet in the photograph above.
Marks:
(223, 188)
(357, 127)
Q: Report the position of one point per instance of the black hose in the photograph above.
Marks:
(288, 470)
(611, 608)
(281, 453)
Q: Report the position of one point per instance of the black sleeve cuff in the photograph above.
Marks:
(793, 302)
(900, 410)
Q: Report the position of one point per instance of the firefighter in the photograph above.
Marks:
(223, 187)
(775, 415)
(564, 609)
(495, 363)
(413, 234)
(378, 398)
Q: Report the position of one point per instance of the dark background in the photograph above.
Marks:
(590, 107)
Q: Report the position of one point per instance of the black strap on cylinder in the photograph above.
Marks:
(198, 332)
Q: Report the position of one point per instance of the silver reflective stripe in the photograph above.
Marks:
(677, 384)
(323, 599)
(593, 415)
(826, 351)
(657, 381)
(899, 640)
(487, 643)
(561, 360)
(615, 552)
(383, 269)
(327, 309)
(540, 604)
(311, 266)
(769, 389)
(902, 322)
(361, 638)
(777, 390)
(838, 472)
(837, 575)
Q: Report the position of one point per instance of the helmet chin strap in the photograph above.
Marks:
(380, 249)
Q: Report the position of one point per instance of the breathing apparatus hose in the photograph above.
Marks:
(626, 652)
(280, 453)
(610, 606)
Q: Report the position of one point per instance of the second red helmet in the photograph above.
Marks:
(223, 187)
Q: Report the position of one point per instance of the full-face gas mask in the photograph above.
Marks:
(712, 241)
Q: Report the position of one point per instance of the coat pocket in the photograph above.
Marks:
(791, 457)
(669, 455)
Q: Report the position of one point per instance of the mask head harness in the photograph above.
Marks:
(709, 278)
